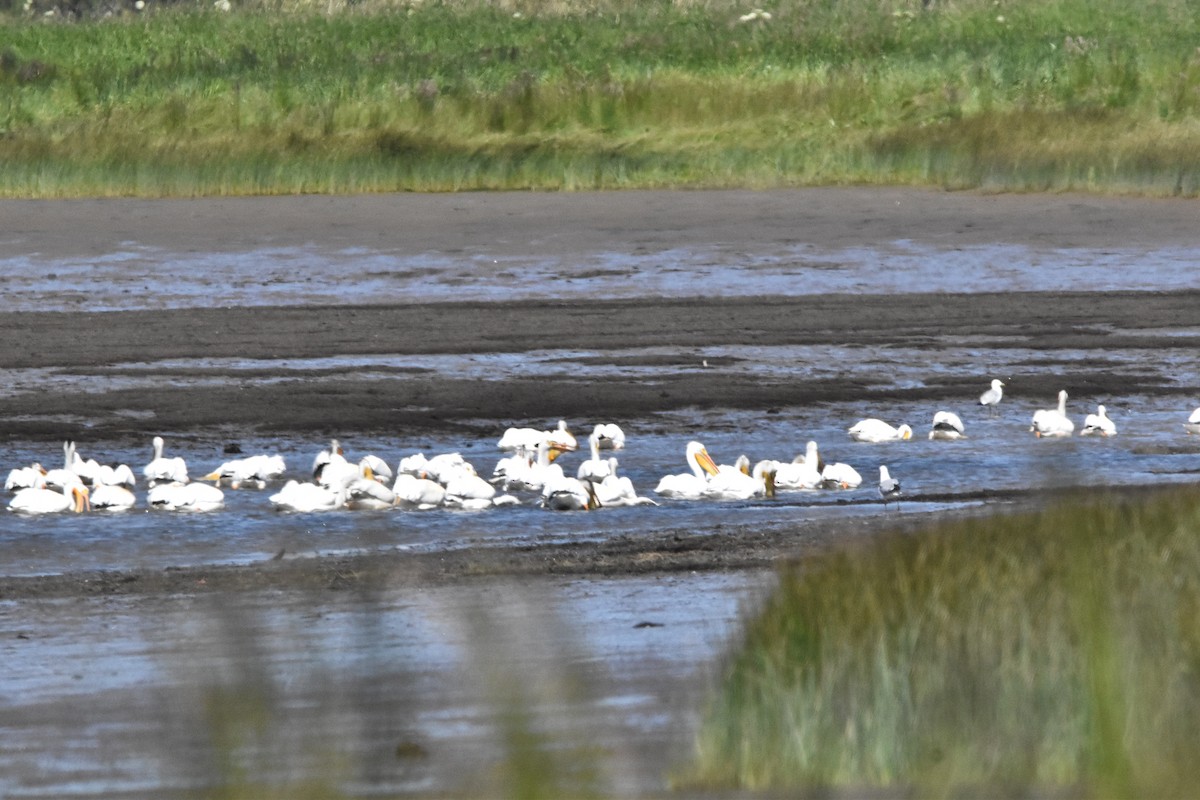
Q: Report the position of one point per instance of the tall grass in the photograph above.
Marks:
(381, 96)
(1044, 652)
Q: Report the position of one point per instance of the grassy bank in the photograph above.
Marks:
(1035, 653)
(267, 98)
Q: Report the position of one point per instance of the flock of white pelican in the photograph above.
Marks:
(530, 473)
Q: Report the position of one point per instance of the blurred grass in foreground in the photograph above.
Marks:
(1016, 655)
(330, 97)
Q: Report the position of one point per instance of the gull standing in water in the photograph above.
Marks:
(992, 397)
(889, 487)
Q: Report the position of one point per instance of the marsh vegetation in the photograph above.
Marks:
(1042, 652)
(280, 97)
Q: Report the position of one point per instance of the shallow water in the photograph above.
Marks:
(139, 672)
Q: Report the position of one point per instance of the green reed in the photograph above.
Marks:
(290, 97)
(1040, 652)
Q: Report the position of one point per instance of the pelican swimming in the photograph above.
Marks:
(419, 493)
(803, 472)
(596, 469)
(112, 497)
(616, 491)
(108, 475)
(1193, 423)
(569, 494)
(67, 474)
(840, 476)
(737, 481)
(73, 497)
(689, 485)
(609, 435)
(251, 470)
(185, 497)
(308, 497)
(1098, 424)
(365, 493)
(162, 469)
(947, 426)
(1053, 422)
(31, 477)
(992, 397)
(561, 438)
(889, 487)
(876, 430)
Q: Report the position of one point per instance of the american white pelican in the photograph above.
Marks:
(569, 494)
(876, 430)
(420, 493)
(31, 477)
(65, 475)
(992, 397)
(689, 485)
(468, 486)
(251, 470)
(73, 497)
(108, 475)
(840, 476)
(1098, 424)
(617, 491)
(561, 437)
(1053, 422)
(799, 474)
(367, 494)
(1193, 423)
(331, 469)
(736, 482)
(889, 487)
(440, 468)
(531, 474)
(947, 426)
(596, 469)
(112, 497)
(308, 497)
(185, 497)
(86, 469)
(609, 435)
(162, 469)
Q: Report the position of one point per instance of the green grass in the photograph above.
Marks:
(1028, 654)
(1021, 95)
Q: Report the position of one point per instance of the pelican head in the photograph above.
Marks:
(82, 502)
(698, 456)
(905, 432)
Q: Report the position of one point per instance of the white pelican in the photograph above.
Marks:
(162, 469)
(1193, 423)
(1054, 421)
(889, 487)
(609, 435)
(689, 485)
(365, 493)
(112, 497)
(947, 426)
(569, 494)
(420, 493)
(307, 497)
(526, 474)
(66, 475)
(803, 474)
(108, 475)
(185, 497)
(876, 430)
(440, 468)
(561, 437)
(736, 482)
(616, 491)
(840, 476)
(252, 470)
(467, 486)
(31, 477)
(1098, 424)
(595, 468)
(86, 469)
(992, 397)
(73, 497)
